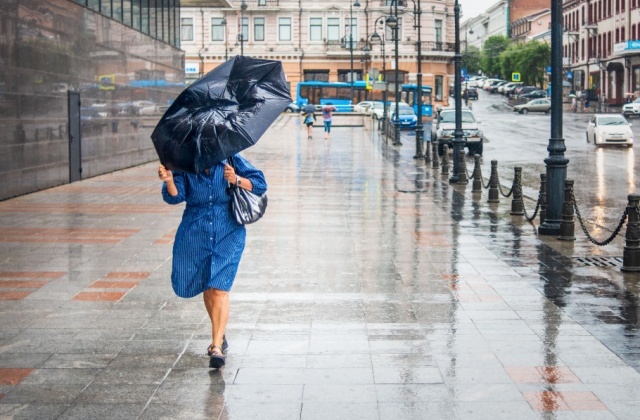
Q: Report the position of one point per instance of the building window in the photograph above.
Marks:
(217, 29)
(439, 88)
(244, 30)
(351, 34)
(316, 75)
(262, 2)
(284, 29)
(315, 29)
(186, 29)
(390, 33)
(438, 33)
(333, 29)
(258, 29)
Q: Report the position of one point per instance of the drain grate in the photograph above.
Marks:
(599, 261)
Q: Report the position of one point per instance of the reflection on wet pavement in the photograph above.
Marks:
(371, 289)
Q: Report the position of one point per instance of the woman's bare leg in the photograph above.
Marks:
(217, 303)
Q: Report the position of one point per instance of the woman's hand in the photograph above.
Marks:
(164, 174)
(229, 174)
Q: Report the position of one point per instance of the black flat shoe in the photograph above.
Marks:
(217, 359)
(225, 346)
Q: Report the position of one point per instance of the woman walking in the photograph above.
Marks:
(327, 111)
(209, 242)
(309, 118)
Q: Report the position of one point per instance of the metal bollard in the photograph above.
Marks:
(517, 205)
(631, 253)
(494, 195)
(445, 162)
(543, 198)
(434, 152)
(462, 170)
(567, 225)
(477, 176)
(427, 152)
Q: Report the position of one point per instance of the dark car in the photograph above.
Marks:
(292, 107)
(521, 90)
(536, 94)
(473, 93)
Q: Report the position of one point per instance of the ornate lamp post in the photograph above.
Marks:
(243, 7)
(458, 134)
(556, 162)
(355, 4)
(417, 12)
(392, 22)
(375, 37)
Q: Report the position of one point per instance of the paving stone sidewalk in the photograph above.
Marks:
(371, 290)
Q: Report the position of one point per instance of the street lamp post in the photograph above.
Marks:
(243, 7)
(556, 162)
(376, 37)
(356, 4)
(458, 140)
(417, 12)
(392, 22)
(226, 41)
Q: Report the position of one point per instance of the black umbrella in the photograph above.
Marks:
(220, 114)
(309, 109)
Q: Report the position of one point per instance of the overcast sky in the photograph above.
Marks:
(472, 8)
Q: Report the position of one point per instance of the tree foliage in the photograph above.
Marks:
(472, 59)
(493, 47)
(533, 58)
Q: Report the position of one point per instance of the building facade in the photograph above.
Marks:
(476, 30)
(602, 47)
(82, 85)
(326, 40)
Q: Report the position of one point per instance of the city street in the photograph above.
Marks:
(371, 289)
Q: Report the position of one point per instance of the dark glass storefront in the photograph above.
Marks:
(82, 84)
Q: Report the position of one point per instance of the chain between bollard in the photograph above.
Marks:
(507, 195)
(615, 233)
(535, 212)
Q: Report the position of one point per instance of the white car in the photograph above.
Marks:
(364, 107)
(378, 110)
(609, 129)
(631, 109)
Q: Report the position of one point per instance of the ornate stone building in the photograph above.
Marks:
(313, 38)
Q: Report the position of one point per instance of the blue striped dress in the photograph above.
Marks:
(209, 242)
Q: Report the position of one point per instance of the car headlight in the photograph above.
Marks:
(447, 133)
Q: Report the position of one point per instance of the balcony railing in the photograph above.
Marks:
(258, 3)
(343, 45)
(437, 46)
(387, 3)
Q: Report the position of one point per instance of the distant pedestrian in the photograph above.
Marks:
(209, 242)
(309, 118)
(327, 112)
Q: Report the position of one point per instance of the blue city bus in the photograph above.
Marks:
(336, 93)
(339, 94)
(409, 96)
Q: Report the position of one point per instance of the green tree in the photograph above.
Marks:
(471, 59)
(533, 59)
(493, 47)
(509, 59)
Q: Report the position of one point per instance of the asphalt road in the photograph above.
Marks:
(603, 176)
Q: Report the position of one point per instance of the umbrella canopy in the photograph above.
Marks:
(225, 111)
(308, 109)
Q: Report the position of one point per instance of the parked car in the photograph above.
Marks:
(494, 88)
(609, 129)
(292, 107)
(365, 107)
(406, 117)
(631, 109)
(490, 83)
(535, 94)
(535, 105)
(506, 89)
(520, 90)
(473, 93)
(444, 127)
(378, 110)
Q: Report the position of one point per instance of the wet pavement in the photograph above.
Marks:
(371, 289)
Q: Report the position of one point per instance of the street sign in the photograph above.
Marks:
(515, 77)
(374, 73)
(379, 85)
(569, 75)
(548, 69)
(392, 87)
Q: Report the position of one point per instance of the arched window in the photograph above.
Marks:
(439, 88)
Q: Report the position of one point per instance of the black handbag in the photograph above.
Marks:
(246, 207)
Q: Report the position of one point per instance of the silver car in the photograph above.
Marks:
(535, 105)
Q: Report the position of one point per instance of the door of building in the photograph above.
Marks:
(75, 156)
